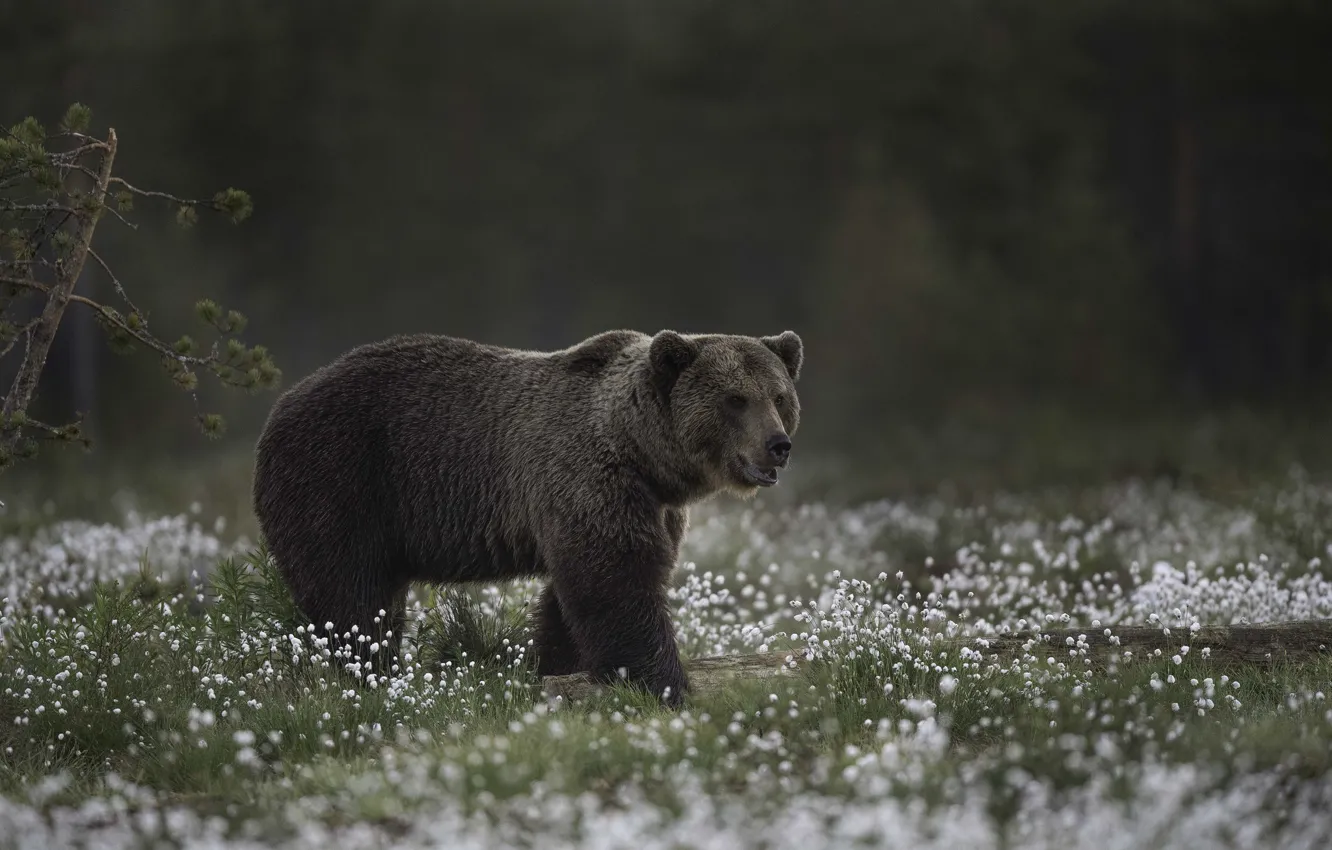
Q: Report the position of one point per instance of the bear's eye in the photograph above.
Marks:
(735, 402)
(780, 401)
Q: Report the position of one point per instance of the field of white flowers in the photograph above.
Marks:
(155, 691)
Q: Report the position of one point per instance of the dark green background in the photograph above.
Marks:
(1021, 240)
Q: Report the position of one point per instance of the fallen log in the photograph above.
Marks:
(1261, 644)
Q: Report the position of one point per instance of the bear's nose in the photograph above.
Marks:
(779, 447)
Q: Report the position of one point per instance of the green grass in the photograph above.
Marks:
(159, 693)
(213, 709)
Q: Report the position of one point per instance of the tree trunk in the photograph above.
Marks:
(1260, 644)
(67, 275)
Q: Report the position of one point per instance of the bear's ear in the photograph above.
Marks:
(670, 354)
(787, 345)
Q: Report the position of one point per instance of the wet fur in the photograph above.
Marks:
(435, 459)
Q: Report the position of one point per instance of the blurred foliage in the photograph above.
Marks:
(983, 219)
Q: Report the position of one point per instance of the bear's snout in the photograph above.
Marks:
(779, 449)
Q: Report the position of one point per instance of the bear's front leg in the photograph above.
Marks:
(612, 586)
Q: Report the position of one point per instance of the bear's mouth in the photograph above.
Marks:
(759, 476)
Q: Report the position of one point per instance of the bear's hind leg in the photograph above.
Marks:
(557, 655)
(353, 608)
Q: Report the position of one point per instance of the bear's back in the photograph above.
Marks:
(452, 448)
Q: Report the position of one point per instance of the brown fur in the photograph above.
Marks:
(429, 458)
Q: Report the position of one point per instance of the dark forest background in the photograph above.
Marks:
(1021, 240)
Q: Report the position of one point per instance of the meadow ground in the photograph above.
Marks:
(156, 690)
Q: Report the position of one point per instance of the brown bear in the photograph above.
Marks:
(434, 459)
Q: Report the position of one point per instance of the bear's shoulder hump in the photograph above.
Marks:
(594, 354)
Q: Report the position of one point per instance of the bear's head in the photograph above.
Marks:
(732, 403)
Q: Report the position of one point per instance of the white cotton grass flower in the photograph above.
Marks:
(897, 742)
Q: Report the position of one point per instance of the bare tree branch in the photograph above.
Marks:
(111, 208)
(140, 333)
(115, 281)
(148, 193)
(44, 225)
(53, 432)
(88, 141)
(116, 318)
(49, 206)
(23, 330)
(25, 282)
